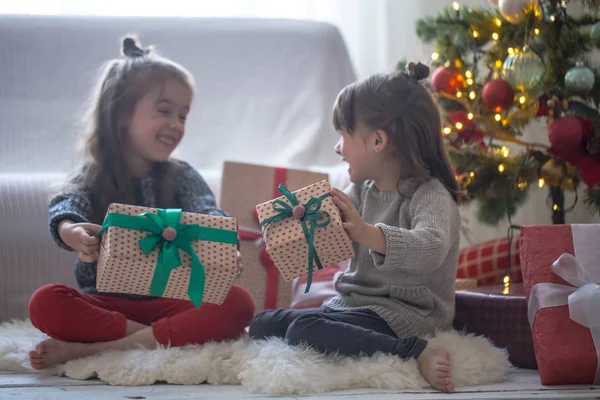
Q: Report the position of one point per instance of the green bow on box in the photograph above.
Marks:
(307, 212)
(169, 235)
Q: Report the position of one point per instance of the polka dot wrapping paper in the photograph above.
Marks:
(286, 241)
(124, 268)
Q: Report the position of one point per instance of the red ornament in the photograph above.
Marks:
(462, 119)
(566, 135)
(447, 80)
(498, 95)
(543, 108)
(589, 170)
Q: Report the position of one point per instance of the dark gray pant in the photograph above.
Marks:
(349, 333)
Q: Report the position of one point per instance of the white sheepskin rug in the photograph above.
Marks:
(270, 367)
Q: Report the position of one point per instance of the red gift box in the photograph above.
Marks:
(561, 274)
(487, 261)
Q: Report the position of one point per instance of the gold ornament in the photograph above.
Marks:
(554, 172)
(524, 70)
(515, 11)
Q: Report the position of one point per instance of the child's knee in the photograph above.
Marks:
(298, 332)
(241, 303)
(45, 305)
(263, 325)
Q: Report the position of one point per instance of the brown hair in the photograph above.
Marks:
(123, 82)
(405, 110)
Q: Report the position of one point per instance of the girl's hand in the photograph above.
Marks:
(80, 238)
(240, 267)
(353, 223)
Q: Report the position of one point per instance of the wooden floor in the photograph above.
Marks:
(523, 384)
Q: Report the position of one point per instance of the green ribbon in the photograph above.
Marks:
(168, 255)
(312, 214)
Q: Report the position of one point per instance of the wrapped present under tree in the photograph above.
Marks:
(561, 276)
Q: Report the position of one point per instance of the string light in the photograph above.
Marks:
(511, 51)
(456, 6)
(458, 63)
(506, 280)
(552, 18)
(459, 94)
(541, 182)
(498, 117)
(498, 63)
(522, 99)
(498, 22)
(459, 125)
(472, 174)
(447, 130)
(555, 207)
(470, 82)
(435, 56)
(506, 290)
(495, 36)
(469, 74)
(501, 167)
(536, 31)
(475, 34)
(470, 116)
(505, 151)
(472, 95)
(522, 185)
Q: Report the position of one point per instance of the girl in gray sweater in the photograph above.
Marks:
(402, 215)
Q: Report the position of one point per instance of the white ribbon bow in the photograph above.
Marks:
(583, 299)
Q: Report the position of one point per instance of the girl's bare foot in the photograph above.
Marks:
(52, 352)
(435, 368)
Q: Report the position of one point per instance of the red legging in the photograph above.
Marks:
(65, 314)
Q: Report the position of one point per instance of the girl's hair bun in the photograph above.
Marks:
(132, 48)
(418, 71)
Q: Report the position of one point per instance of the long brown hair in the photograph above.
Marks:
(404, 109)
(122, 83)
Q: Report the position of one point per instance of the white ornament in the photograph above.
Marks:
(514, 10)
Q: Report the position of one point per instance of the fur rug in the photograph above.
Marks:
(270, 367)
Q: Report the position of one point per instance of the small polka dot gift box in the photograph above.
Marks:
(303, 231)
(167, 253)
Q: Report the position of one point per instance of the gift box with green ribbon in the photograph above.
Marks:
(303, 231)
(259, 183)
(167, 253)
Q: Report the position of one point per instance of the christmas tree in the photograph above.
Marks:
(496, 70)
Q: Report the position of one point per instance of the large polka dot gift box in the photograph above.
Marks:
(167, 253)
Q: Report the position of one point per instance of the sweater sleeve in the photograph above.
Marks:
(70, 204)
(193, 193)
(435, 225)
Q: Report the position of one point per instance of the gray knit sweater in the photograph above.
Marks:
(192, 194)
(412, 286)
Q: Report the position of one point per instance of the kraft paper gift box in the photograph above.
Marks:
(167, 253)
(303, 231)
(244, 186)
(561, 272)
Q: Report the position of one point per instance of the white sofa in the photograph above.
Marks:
(264, 95)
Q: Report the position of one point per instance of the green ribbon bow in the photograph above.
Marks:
(312, 213)
(168, 255)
